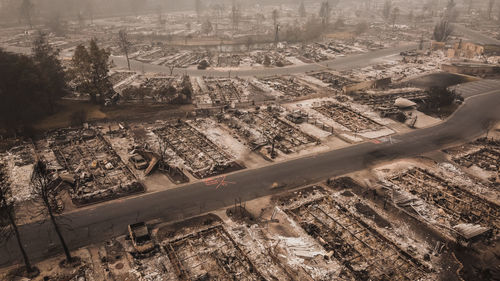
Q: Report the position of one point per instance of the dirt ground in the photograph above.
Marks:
(99, 113)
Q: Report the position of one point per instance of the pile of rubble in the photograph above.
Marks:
(312, 233)
(228, 60)
(348, 118)
(385, 101)
(91, 166)
(201, 156)
(413, 64)
(482, 153)
(364, 251)
(204, 248)
(185, 59)
(210, 254)
(17, 165)
(233, 92)
(270, 58)
(118, 78)
(289, 87)
(265, 128)
(159, 55)
(334, 81)
(311, 53)
(169, 89)
(341, 117)
(420, 192)
(225, 91)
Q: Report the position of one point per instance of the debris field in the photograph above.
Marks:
(98, 172)
(336, 82)
(201, 156)
(365, 252)
(462, 206)
(384, 101)
(482, 153)
(261, 128)
(348, 118)
(210, 254)
(288, 87)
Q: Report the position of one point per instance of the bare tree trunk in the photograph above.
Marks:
(128, 61)
(27, 262)
(58, 231)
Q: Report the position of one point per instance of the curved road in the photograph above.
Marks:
(103, 221)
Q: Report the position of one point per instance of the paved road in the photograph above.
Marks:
(342, 63)
(475, 88)
(103, 221)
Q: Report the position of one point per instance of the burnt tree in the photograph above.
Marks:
(8, 224)
(45, 186)
(124, 44)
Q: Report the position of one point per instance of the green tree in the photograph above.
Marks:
(81, 71)
(440, 97)
(90, 70)
(23, 92)
(47, 60)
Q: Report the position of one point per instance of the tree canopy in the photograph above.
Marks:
(29, 86)
(47, 59)
(90, 71)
